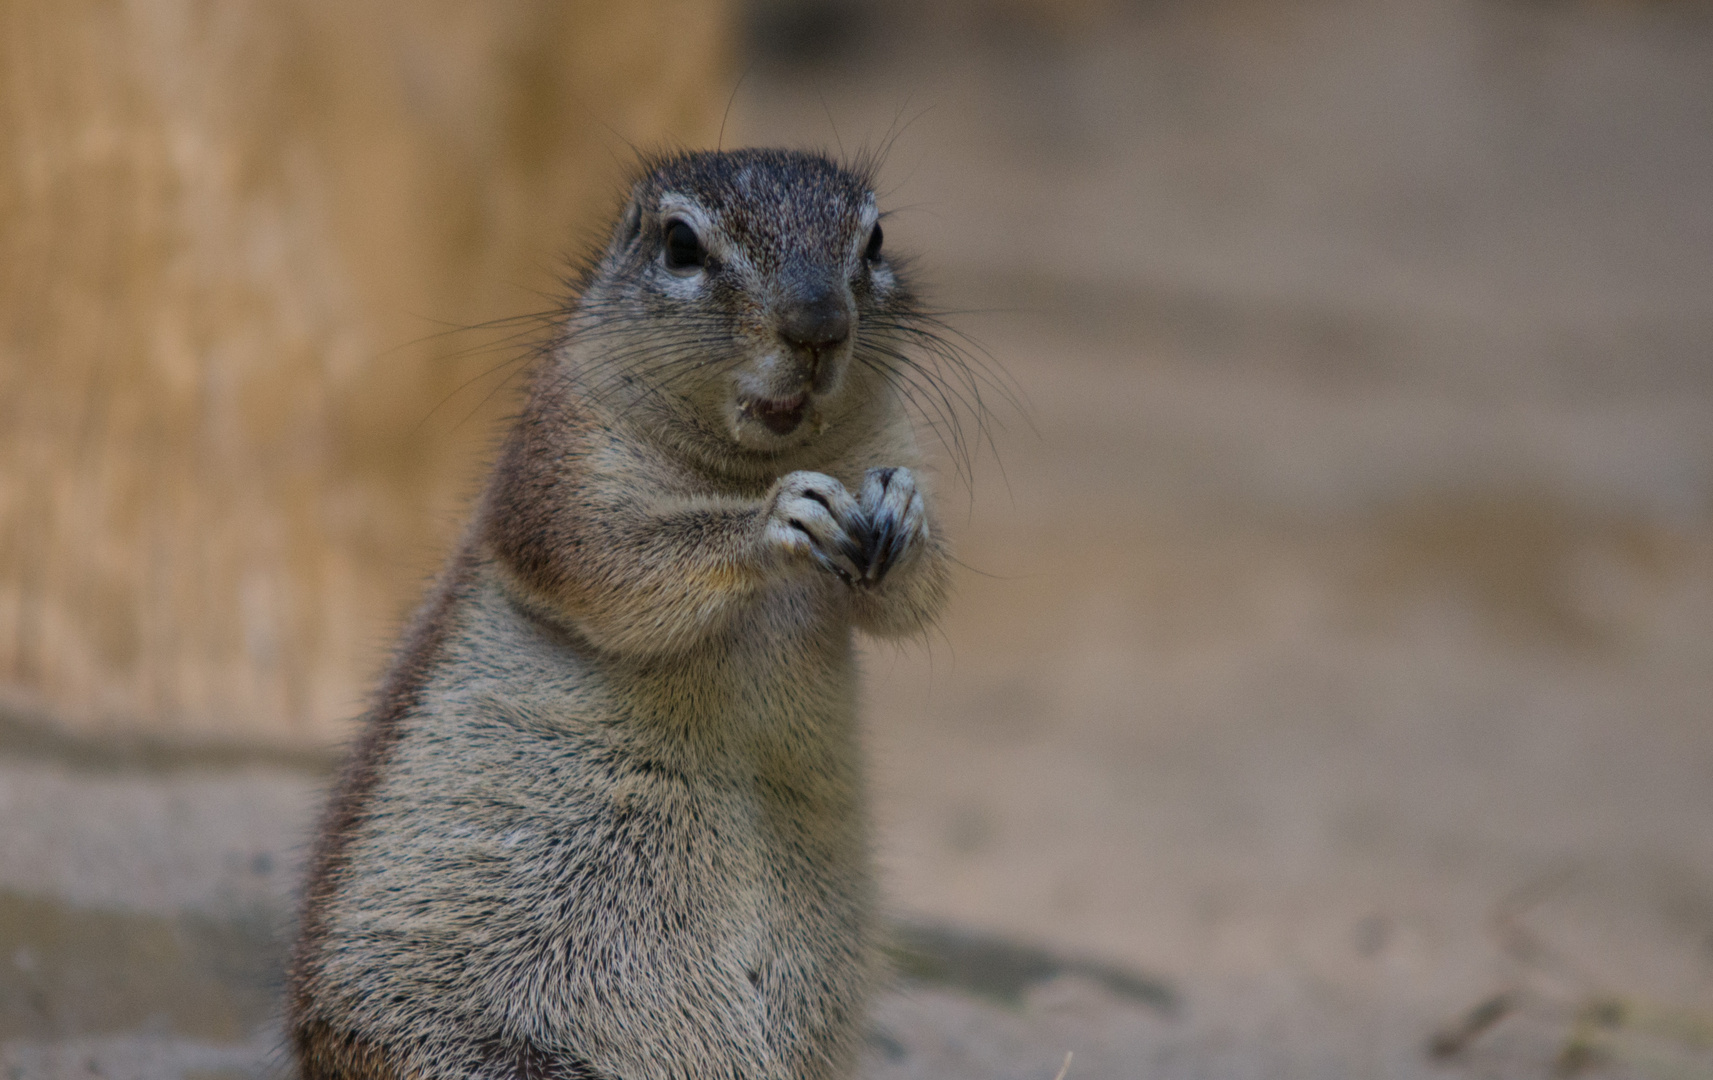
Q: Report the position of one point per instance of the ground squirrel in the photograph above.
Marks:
(607, 817)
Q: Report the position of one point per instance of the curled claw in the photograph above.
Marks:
(887, 545)
(883, 543)
(846, 546)
(896, 539)
(831, 565)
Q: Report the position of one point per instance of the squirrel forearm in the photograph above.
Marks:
(648, 582)
(592, 532)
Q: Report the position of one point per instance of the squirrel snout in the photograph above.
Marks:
(817, 323)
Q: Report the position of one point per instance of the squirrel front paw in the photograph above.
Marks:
(896, 520)
(859, 541)
(811, 516)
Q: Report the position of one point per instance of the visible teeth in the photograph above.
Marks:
(774, 405)
(779, 415)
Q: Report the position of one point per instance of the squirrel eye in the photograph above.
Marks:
(874, 240)
(684, 248)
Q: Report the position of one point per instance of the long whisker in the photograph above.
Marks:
(603, 348)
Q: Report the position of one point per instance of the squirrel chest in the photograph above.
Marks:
(548, 829)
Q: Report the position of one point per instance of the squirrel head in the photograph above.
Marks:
(745, 300)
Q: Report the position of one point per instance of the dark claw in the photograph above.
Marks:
(822, 557)
(883, 544)
(827, 561)
(853, 551)
(894, 547)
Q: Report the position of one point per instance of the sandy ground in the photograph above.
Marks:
(1333, 665)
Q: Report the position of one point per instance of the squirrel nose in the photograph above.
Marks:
(815, 324)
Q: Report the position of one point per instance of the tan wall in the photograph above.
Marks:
(221, 479)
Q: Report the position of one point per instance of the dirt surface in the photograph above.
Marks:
(1329, 692)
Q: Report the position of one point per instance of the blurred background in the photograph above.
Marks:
(1329, 689)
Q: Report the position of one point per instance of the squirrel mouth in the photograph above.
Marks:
(781, 416)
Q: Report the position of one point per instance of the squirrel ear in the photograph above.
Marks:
(630, 225)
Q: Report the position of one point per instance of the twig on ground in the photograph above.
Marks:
(1453, 1038)
(1601, 1018)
